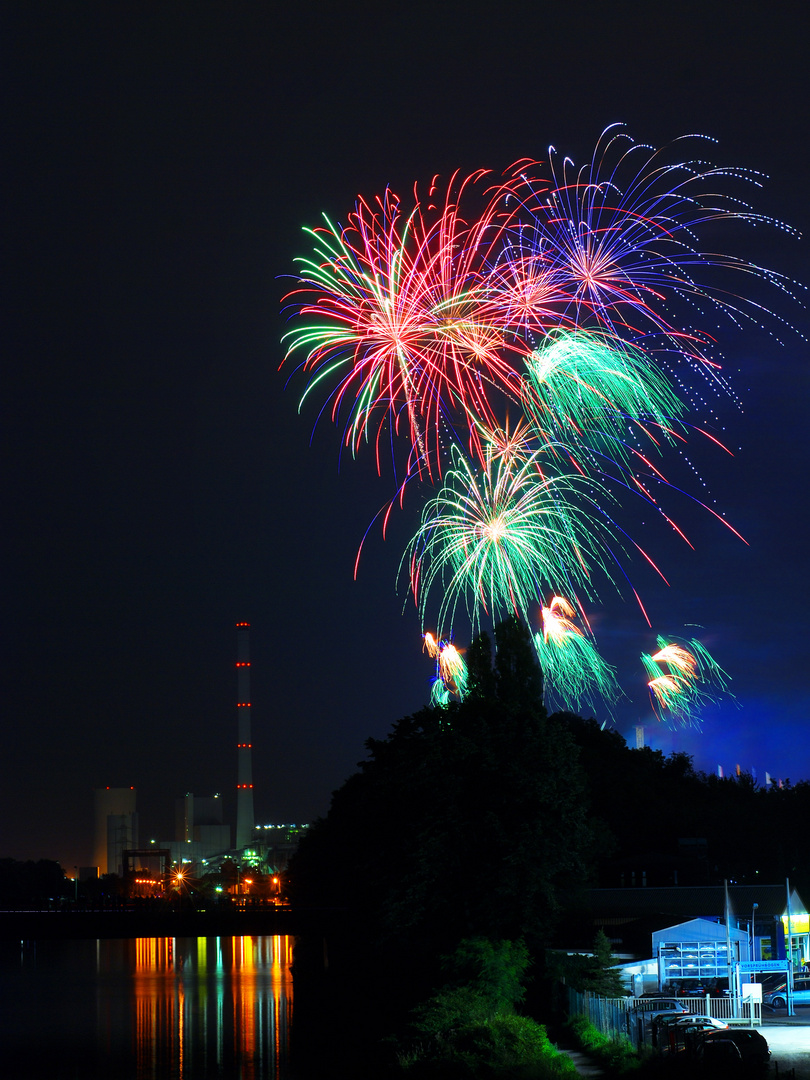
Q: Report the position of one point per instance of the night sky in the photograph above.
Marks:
(158, 482)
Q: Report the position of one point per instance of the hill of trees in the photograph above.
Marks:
(489, 816)
(486, 822)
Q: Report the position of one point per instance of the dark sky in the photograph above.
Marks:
(159, 485)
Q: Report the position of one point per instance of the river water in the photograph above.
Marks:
(147, 1009)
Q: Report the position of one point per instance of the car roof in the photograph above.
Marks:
(738, 1034)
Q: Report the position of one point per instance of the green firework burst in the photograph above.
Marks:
(574, 673)
(497, 538)
(683, 678)
(600, 398)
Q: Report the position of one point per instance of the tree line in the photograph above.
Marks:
(489, 816)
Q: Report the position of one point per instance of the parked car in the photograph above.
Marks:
(733, 1051)
(675, 1031)
(651, 1007)
(777, 998)
(707, 1022)
(697, 1020)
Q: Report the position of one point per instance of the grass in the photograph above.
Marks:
(617, 1056)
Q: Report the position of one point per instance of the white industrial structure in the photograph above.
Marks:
(116, 827)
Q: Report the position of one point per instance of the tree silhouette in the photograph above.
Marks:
(467, 820)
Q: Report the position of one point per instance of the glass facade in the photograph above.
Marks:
(704, 961)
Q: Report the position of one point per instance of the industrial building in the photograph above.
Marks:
(116, 828)
(203, 839)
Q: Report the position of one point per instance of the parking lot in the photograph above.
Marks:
(789, 1042)
(788, 1039)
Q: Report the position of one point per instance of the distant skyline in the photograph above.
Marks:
(160, 483)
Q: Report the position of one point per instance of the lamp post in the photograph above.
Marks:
(753, 937)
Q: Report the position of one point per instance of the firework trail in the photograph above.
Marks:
(574, 674)
(430, 645)
(683, 678)
(558, 624)
(450, 680)
(677, 658)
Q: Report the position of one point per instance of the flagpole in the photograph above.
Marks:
(791, 1010)
(732, 982)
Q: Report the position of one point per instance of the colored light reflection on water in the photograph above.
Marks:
(226, 998)
(152, 1008)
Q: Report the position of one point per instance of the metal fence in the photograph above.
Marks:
(730, 1009)
(630, 1017)
(611, 1016)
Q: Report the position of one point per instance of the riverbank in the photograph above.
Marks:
(73, 924)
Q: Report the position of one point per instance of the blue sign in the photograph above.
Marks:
(764, 965)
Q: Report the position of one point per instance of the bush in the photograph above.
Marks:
(618, 1056)
(506, 1047)
(450, 1010)
(509, 1046)
(494, 969)
(469, 1029)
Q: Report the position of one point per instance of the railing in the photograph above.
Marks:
(609, 1015)
(726, 1008)
(628, 1018)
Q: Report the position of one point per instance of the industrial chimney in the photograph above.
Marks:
(244, 772)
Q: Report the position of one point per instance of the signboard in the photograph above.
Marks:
(764, 965)
(799, 923)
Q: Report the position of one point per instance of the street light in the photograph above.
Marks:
(753, 937)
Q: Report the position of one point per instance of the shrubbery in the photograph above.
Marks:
(469, 1027)
(618, 1056)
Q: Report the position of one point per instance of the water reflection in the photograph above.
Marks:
(158, 1008)
(222, 1002)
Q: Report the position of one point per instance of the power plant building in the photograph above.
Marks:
(200, 834)
(116, 828)
(198, 822)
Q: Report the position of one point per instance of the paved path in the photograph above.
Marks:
(789, 1043)
(585, 1066)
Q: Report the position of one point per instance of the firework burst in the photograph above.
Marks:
(574, 673)
(575, 297)
(587, 392)
(395, 322)
(497, 536)
(620, 239)
(683, 678)
(450, 681)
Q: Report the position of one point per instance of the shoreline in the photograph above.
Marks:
(72, 924)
